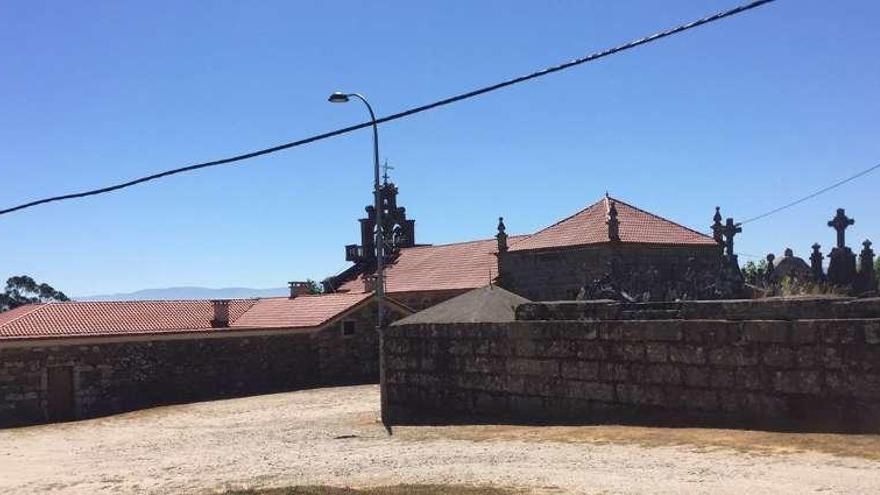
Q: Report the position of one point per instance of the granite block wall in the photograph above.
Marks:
(788, 374)
(112, 377)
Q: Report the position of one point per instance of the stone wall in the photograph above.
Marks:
(115, 376)
(559, 274)
(821, 374)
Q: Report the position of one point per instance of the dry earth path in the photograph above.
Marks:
(330, 437)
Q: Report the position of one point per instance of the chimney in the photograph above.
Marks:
(221, 313)
(298, 289)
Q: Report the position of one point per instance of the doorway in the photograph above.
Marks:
(60, 393)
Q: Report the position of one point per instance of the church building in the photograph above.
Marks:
(609, 244)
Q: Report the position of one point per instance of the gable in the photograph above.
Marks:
(636, 226)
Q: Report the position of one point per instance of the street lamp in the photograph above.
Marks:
(339, 97)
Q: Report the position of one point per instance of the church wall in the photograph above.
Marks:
(559, 274)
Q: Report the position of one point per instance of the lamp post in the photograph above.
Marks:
(339, 97)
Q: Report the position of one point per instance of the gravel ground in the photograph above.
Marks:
(330, 437)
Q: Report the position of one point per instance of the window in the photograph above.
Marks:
(349, 327)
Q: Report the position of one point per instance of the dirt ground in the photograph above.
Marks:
(330, 437)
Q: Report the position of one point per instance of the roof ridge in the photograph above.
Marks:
(241, 299)
(659, 216)
(451, 243)
(37, 306)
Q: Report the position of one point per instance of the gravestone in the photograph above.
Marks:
(816, 263)
(842, 265)
(867, 281)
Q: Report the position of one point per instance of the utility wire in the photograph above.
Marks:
(814, 194)
(463, 96)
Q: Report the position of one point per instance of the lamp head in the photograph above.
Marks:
(338, 97)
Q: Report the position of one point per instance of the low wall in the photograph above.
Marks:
(821, 374)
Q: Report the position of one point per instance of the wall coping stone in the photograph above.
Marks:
(796, 308)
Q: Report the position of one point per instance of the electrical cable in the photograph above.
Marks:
(405, 113)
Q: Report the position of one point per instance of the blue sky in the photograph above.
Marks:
(747, 114)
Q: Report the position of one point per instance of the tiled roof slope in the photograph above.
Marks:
(636, 226)
(68, 319)
(300, 312)
(464, 265)
(119, 318)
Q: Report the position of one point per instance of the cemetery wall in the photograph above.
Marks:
(811, 365)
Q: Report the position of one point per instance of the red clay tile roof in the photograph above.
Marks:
(300, 312)
(464, 265)
(636, 226)
(119, 318)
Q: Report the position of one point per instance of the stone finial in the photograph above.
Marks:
(717, 226)
(611, 219)
(770, 267)
(866, 257)
(840, 223)
(788, 253)
(730, 230)
(816, 263)
(501, 236)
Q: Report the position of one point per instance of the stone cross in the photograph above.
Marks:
(840, 222)
(730, 230)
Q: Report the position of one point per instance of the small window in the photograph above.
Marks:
(349, 327)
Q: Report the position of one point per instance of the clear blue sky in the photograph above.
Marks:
(746, 114)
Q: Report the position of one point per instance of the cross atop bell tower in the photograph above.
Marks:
(385, 169)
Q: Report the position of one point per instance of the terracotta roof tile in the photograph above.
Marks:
(588, 227)
(117, 318)
(300, 312)
(464, 265)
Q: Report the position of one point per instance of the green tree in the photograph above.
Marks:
(23, 290)
(314, 287)
(754, 273)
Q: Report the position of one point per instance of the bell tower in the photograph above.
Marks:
(400, 232)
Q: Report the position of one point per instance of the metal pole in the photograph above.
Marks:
(380, 263)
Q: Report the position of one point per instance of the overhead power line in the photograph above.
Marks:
(814, 194)
(412, 111)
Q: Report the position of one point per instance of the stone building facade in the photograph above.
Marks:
(641, 255)
(65, 361)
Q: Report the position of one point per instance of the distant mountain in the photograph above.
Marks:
(188, 293)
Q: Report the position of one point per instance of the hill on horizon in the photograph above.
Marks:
(176, 293)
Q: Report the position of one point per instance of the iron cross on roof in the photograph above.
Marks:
(840, 222)
(385, 169)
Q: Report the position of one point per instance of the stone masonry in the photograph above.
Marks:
(804, 364)
(112, 376)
